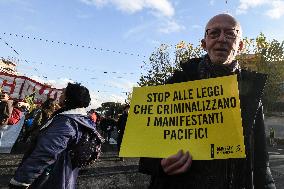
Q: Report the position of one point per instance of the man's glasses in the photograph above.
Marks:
(215, 33)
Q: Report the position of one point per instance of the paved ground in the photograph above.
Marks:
(110, 173)
(276, 159)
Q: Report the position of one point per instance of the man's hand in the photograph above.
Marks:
(177, 164)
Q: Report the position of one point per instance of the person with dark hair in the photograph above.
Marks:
(222, 41)
(121, 123)
(93, 116)
(98, 118)
(107, 125)
(272, 136)
(39, 117)
(50, 163)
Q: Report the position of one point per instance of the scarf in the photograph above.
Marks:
(80, 111)
(209, 70)
(216, 172)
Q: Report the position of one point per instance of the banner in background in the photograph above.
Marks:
(18, 87)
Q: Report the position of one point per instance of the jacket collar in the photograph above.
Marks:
(81, 111)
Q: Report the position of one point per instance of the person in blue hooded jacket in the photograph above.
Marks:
(49, 164)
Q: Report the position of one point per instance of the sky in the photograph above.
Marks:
(103, 43)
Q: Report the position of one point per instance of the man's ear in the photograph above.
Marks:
(203, 44)
(241, 46)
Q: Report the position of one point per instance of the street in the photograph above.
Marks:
(276, 159)
(109, 172)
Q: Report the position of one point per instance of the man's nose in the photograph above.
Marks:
(222, 37)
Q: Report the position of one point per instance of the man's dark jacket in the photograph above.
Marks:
(250, 172)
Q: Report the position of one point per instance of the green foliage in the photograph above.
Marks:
(128, 98)
(184, 52)
(267, 57)
(158, 68)
(30, 100)
(111, 109)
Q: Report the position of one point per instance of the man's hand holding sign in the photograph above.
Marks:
(176, 164)
(201, 117)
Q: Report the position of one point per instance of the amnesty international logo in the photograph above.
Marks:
(201, 116)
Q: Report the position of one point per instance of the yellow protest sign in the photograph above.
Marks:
(202, 117)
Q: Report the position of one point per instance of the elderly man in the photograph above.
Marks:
(222, 41)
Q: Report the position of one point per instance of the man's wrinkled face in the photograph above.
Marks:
(222, 39)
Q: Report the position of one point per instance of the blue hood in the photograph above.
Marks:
(83, 120)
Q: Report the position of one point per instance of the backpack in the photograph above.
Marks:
(87, 150)
(83, 153)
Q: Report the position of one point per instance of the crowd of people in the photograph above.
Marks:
(10, 113)
(65, 137)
